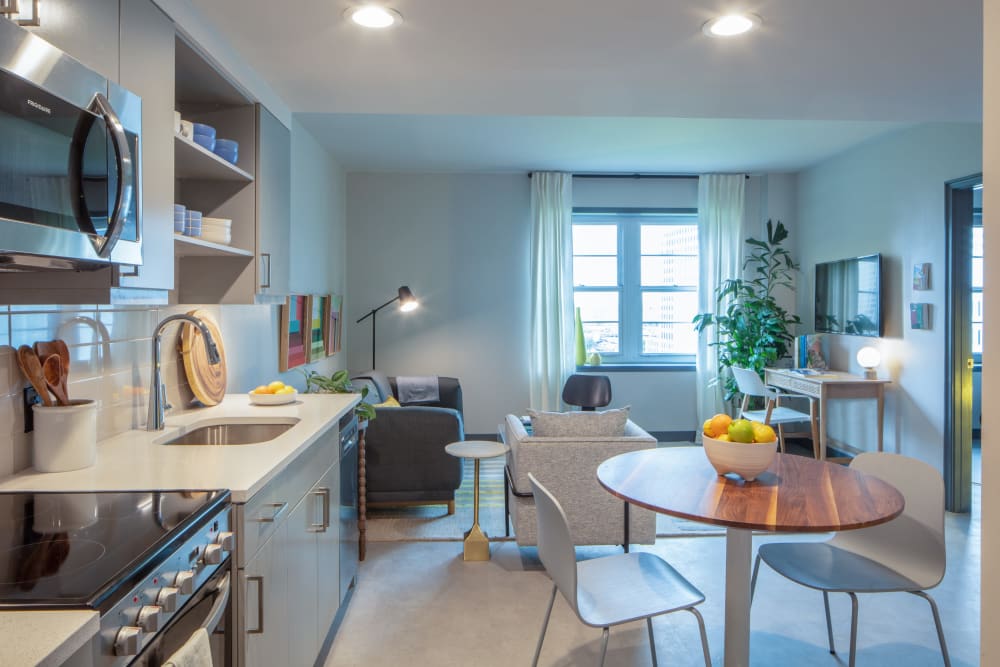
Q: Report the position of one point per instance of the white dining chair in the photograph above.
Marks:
(773, 413)
(905, 555)
(610, 590)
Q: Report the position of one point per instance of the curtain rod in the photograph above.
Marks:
(639, 176)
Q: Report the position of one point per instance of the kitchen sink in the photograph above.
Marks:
(233, 433)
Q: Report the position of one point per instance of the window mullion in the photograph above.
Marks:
(631, 293)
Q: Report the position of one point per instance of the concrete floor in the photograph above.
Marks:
(419, 603)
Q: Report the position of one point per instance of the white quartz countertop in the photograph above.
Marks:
(44, 637)
(137, 461)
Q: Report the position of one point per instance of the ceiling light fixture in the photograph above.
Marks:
(730, 25)
(374, 16)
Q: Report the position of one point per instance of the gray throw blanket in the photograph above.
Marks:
(418, 389)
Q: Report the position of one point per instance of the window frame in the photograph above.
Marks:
(629, 222)
(977, 222)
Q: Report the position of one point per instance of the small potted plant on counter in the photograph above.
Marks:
(340, 383)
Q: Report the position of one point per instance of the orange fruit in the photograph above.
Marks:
(719, 425)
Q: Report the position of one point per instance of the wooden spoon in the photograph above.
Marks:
(53, 371)
(44, 349)
(32, 369)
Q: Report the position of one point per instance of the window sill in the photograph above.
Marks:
(637, 368)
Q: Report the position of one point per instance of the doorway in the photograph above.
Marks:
(960, 361)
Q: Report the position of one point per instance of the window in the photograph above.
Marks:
(977, 284)
(635, 277)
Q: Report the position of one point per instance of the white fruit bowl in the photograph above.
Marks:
(743, 458)
(273, 399)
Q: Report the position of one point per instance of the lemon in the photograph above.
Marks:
(706, 428)
(719, 425)
(285, 390)
(741, 430)
(723, 438)
(763, 433)
(275, 386)
(262, 389)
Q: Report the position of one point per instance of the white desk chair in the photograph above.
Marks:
(906, 554)
(610, 590)
(773, 414)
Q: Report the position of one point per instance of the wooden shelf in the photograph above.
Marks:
(189, 246)
(193, 161)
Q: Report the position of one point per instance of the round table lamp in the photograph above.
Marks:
(869, 358)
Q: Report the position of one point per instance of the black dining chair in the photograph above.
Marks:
(587, 391)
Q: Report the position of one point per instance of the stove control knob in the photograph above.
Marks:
(167, 598)
(225, 540)
(128, 641)
(148, 617)
(184, 582)
(212, 554)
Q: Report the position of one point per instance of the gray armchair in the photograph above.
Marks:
(404, 446)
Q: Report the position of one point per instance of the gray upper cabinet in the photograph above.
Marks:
(274, 204)
(85, 29)
(147, 69)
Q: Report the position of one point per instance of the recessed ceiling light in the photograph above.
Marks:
(374, 16)
(731, 25)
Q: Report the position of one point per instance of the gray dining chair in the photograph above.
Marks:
(610, 590)
(774, 413)
(904, 555)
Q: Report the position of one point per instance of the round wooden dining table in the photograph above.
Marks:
(795, 494)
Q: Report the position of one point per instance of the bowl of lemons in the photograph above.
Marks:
(739, 446)
(275, 393)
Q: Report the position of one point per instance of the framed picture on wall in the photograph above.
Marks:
(333, 324)
(292, 343)
(318, 306)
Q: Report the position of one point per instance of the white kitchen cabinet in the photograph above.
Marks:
(299, 554)
(328, 551)
(274, 204)
(264, 584)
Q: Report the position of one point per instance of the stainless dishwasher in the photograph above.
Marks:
(348, 502)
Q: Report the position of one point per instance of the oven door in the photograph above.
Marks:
(211, 609)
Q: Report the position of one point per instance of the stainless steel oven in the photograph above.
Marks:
(70, 153)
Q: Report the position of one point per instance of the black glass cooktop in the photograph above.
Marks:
(77, 549)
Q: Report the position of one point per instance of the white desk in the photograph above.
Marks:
(830, 384)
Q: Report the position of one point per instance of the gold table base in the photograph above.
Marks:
(476, 545)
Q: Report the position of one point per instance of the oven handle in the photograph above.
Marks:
(219, 608)
(124, 167)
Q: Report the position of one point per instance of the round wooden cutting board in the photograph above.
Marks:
(207, 381)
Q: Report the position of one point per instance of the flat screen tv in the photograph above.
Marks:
(849, 296)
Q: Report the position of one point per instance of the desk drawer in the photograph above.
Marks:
(794, 384)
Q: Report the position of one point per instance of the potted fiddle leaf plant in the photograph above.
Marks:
(340, 383)
(752, 329)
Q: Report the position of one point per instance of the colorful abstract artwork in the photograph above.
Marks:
(293, 348)
(333, 324)
(317, 309)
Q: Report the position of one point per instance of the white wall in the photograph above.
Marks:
(887, 196)
(990, 588)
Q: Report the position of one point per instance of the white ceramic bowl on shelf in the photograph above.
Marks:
(746, 459)
(273, 399)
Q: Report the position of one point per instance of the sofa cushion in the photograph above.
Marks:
(607, 423)
(390, 402)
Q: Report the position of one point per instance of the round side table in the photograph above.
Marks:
(476, 543)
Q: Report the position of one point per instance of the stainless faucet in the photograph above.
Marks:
(157, 390)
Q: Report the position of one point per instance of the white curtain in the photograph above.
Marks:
(552, 320)
(720, 254)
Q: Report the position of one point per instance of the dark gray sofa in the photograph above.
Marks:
(404, 447)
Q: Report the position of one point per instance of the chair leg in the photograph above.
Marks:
(937, 624)
(854, 629)
(814, 427)
(781, 437)
(753, 579)
(652, 640)
(704, 637)
(545, 626)
(451, 507)
(604, 646)
(829, 623)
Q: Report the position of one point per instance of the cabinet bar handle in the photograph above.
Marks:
(265, 282)
(279, 509)
(323, 493)
(260, 604)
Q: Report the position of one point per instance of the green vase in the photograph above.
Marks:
(581, 352)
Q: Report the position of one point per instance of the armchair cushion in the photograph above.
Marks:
(608, 423)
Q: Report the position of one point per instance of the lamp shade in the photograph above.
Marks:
(869, 358)
(407, 301)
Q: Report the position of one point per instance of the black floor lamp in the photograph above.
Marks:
(407, 302)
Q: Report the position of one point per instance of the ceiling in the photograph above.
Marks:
(477, 85)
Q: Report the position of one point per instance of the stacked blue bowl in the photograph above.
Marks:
(180, 218)
(227, 149)
(204, 136)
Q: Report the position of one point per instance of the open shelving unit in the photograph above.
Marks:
(192, 161)
(191, 246)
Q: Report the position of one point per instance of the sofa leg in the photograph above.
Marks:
(451, 507)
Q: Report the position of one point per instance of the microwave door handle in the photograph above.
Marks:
(219, 608)
(124, 167)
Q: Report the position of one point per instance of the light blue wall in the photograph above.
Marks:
(887, 196)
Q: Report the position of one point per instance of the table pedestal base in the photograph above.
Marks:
(476, 545)
(738, 553)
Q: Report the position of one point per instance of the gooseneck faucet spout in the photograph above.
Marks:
(157, 390)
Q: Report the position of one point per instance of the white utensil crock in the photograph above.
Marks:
(65, 436)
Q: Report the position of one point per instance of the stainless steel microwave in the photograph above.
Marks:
(70, 155)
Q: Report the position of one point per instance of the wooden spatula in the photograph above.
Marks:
(53, 371)
(32, 369)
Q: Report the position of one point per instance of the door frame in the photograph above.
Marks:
(958, 343)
